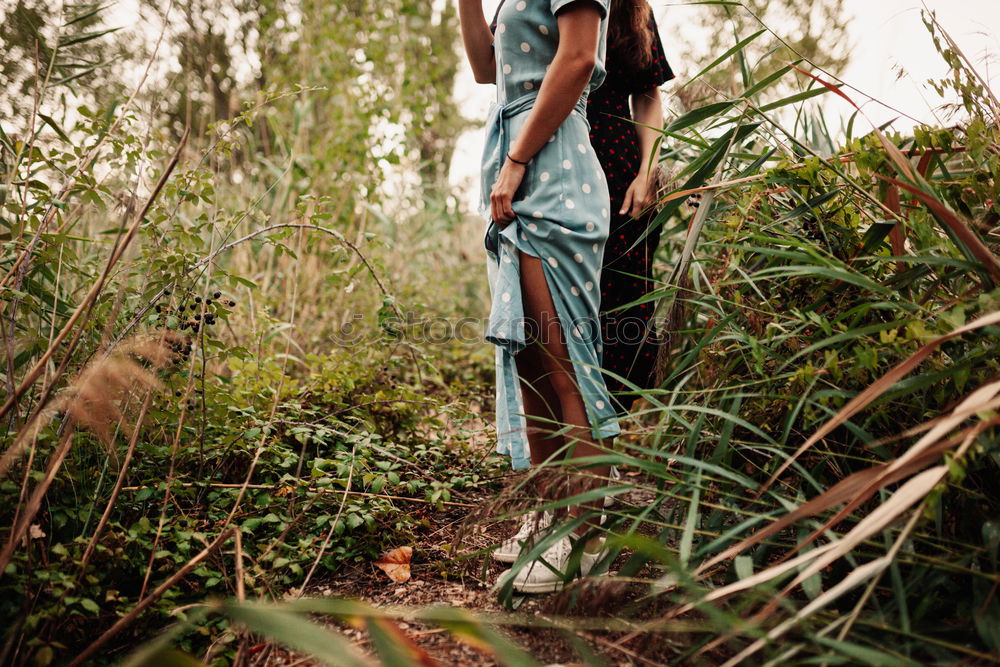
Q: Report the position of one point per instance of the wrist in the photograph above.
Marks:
(516, 160)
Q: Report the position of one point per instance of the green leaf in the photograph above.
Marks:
(87, 37)
(743, 565)
(865, 655)
(295, 631)
(768, 80)
(792, 99)
(739, 45)
(86, 15)
(48, 120)
(74, 77)
(687, 536)
(697, 115)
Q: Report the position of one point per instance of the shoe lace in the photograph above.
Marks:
(557, 554)
(535, 522)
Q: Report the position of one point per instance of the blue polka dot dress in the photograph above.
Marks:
(562, 217)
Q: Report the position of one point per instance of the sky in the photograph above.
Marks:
(888, 39)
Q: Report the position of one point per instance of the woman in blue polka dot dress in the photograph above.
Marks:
(546, 201)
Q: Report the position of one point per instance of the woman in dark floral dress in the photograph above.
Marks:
(628, 100)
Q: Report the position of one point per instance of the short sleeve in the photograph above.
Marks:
(556, 5)
(659, 71)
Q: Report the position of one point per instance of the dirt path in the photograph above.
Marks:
(437, 579)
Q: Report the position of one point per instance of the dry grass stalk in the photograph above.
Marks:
(94, 401)
(123, 471)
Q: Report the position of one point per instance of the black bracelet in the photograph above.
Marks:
(523, 164)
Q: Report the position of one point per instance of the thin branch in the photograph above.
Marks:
(275, 487)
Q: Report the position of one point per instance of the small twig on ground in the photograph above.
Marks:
(272, 487)
(333, 526)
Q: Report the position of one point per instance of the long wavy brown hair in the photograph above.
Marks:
(628, 32)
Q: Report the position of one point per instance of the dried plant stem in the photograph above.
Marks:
(333, 526)
(26, 479)
(674, 307)
(174, 449)
(35, 501)
(133, 440)
(128, 618)
(910, 525)
(241, 595)
(46, 381)
(271, 487)
(91, 402)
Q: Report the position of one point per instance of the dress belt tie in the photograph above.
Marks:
(498, 145)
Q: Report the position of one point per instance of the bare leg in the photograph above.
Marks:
(553, 357)
(541, 405)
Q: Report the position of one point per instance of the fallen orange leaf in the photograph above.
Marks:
(396, 564)
(403, 641)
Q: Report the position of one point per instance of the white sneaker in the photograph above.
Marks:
(547, 574)
(615, 476)
(510, 549)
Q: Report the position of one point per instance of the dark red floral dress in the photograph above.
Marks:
(629, 342)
